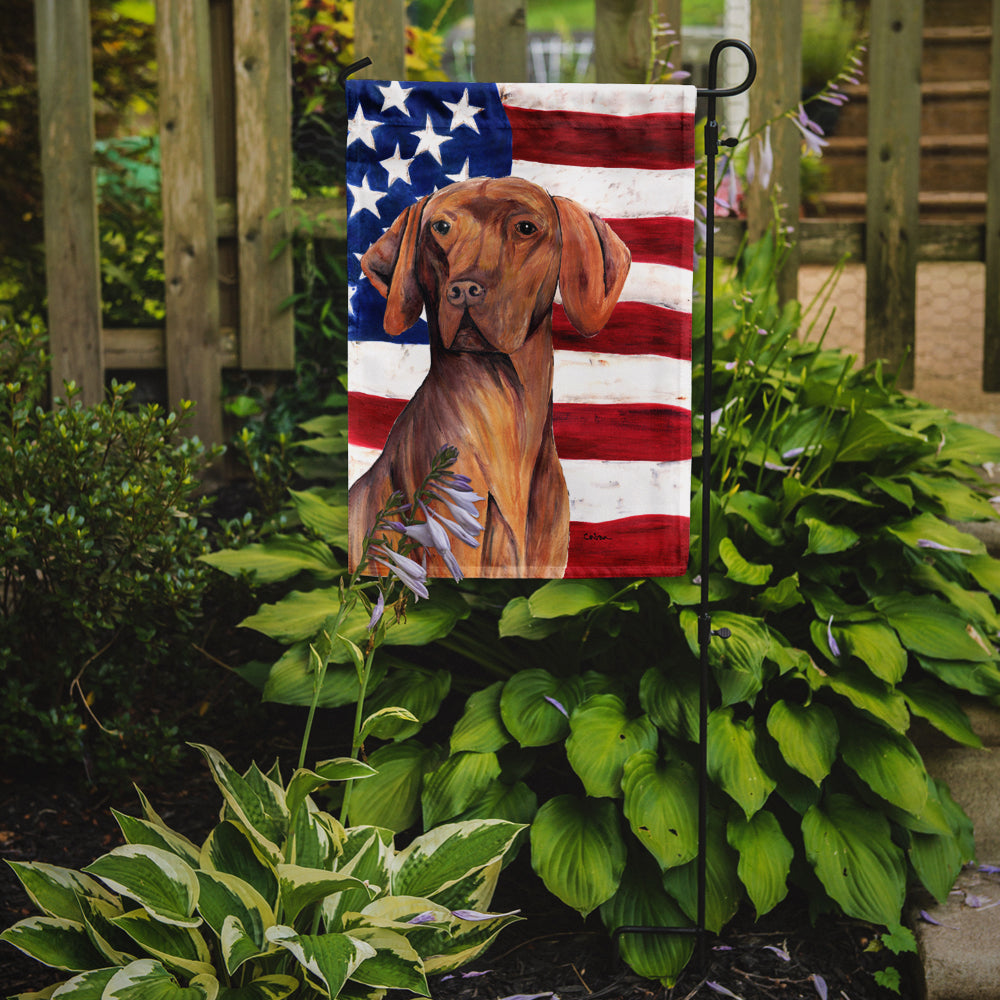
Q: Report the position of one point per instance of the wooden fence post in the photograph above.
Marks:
(72, 255)
(893, 183)
(262, 61)
(622, 40)
(991, 333)
(190, 251)
(380, 34)
(776, 35)
(501, 41)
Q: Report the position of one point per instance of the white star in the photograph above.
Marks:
(364, 197)
(360, 128)
(397, 168)
(463, 113)
(429, 141)
(462, 175)
(395, 97)
(351, 289)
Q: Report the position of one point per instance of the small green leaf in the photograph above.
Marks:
(481, 727)
(559, 598)
(384, 723)
(517, 620)
(417, 690)
(739, 569)
(828, 539)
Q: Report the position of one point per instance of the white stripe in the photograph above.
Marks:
(656, 284)
(606, 99)
(615, 192)
(395, 372)
(359, 461)
(603, 491)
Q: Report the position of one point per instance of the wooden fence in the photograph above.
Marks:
(226, 160)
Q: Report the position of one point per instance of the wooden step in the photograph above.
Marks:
(953, 206)
(956, 53)
(939, 13)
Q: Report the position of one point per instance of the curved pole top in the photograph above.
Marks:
(713, 69)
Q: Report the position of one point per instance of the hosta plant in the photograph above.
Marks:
(279, 900)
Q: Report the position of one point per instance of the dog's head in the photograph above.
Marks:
(486, 255)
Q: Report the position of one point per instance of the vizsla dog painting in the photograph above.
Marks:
(532, 313)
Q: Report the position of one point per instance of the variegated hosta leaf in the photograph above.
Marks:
(578, 851)
(56, 891)
(141, 831)
(481, 727)
(441, 857)
(300, 887)
(602, 737)
(765, 858)
(661, 799)
(116, 946)
(807, 736)
(732, 760)
(315, 838)
(274, 987)
(468, 939)
(535, 706)
(328, 959)
(177, 947)
(158, 880)
(642, 902)
(476, 890)
(395, 964)
(230, 849)
(367, 854)
(147, 979)
(850, 847)
(54, 941)
(304, 782)
(225, 897)
(456, 784)
(87, 986)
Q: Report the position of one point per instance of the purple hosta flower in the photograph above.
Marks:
(820, 983)
(475, 915)
(465, 975)
(761, 163)
(927, 918)
(427, 917)
(719, 988)
(461, 501)
(558, 705)
(377, 612)
(990, 869)
(727, 198)
(411, 574)
(927, 543)
(432, 536)
(780, 952)
(811, 132)
(834, 648)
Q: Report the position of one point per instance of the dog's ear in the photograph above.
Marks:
(389, 265)
(593, 268)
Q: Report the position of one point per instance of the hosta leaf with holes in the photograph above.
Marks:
(888, 763)
(147, 979)
(535, 706)
(578, 851)
(932, 628)
(159, 881)
(602, 737)
(391, 798)
(661, 798)
(229, 848)
(481, 727)
(329, 959)
(765, 858)
(851, 850)
(641, 901)
(456, 784)
(807, 735)
(56, 891)
(54, 941)
(395, 964)
(732, 760)
(671, 700)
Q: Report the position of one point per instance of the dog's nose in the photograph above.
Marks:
(465, 293)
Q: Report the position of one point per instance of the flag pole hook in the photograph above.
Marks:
(705, 630)
(354, 67)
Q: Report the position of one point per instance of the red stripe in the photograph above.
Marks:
(649, 545)
(634, 328)
(582, 139)
(637, 432)
(658, 239)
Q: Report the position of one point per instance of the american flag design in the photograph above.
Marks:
(621, 400)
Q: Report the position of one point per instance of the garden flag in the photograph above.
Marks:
(520, 280)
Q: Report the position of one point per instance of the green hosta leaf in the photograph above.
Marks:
(274, 987)
(530, 706)
(330, 959)
(866, 692)
(751, 574)
(327, 520)
(976, 605)
(292, 680)
(758, 511)
(301, 887)
(732, 760)
(870, 435)
(723, 889)
(578, 851)
(225, 897)
(147, 979)
(928, 528)
(279, 558)
(141, 831)
(893, 488)
(888, 763)
(54, 941)
(986, 571)
(937, 859)
(602, 738)
(965, 443)
(957, 501)
(931, 628)
(517, 620)
(765, 858)
(850, 847)
(391, 798)
(661, 798)
(783, 595)
(516, 803)
(395, 964)
(481, 728)
(56, 891)
(440, 858)
(738, 661)
(671, 699)
(641, 901)
(559, 598)
(827, 539)
(941, 709)
(415, 689)
(807, 736)
(180, 948)
(456, 784)
(230, 849)
(159, 881)
(976, 678)
(876, 646)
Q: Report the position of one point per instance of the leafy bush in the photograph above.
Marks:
(279, 898)
(99, 539)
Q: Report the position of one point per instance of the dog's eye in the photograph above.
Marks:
(441, 227)
(525, 228)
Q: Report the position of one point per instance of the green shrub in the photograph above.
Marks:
(99, 541)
